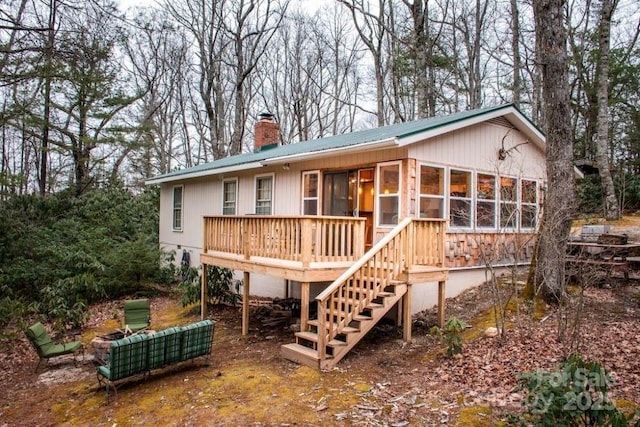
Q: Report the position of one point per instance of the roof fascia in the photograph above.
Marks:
(208, 172)
(367, 146)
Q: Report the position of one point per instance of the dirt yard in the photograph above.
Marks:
(382, 382)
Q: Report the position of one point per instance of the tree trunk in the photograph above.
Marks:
(559, 203)
(49, 53)
(611, 210)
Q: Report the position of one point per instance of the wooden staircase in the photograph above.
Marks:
(353, 304)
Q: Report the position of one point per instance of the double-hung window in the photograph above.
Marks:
(177, 207)
(460, 207)
(229, 196)
(485, 201)
(310, 192)
(264, 194)
(431, 198)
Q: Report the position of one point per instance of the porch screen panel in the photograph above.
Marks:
(431, 192)
(388, 194)
(460, 213)
(485, 201)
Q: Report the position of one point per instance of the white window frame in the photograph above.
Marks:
(535, 204)
(271, 200)
(304, 198)
(177, 208)
(469, 199)
(442, 197)
(225, 202)
(479, 199)
(381, 195)
(514, 203)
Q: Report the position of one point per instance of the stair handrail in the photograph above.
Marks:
(323, 297)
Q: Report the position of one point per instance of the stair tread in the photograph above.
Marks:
(345, 330)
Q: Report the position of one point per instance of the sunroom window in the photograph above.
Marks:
(508, 202)
(485, 201)
(388, 194)
(529, 192)
(460, 214)
(431, 192)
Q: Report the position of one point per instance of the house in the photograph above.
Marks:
(365, 221)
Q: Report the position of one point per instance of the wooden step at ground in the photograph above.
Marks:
(302, 355)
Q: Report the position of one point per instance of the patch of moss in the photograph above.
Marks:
(475, 416)
(362, 388)
(539, 309)
(627, 407)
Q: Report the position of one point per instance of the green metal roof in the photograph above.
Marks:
(396, 131)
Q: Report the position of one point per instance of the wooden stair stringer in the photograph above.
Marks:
(377, 314)
(308, 355)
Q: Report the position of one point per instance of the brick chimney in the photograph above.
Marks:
(267, 132)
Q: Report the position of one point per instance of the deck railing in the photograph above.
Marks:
(413, 241)
(305, 239)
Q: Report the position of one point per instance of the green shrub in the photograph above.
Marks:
(451, 335)
(61, 253)
(222, 288)
(574, 395)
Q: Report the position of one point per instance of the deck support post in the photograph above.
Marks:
(304, 309)
(441, 298)
(203, 292)
(406, 314)
(245, 303)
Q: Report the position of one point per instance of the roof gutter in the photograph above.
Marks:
(207, 172)
(367, 146)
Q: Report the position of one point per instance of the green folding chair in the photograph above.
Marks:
(46, 349)
(137, 315)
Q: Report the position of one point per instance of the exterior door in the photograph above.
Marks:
(351, 193)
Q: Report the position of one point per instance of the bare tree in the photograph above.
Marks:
(370, 23)
(251, 30)
(611, 207)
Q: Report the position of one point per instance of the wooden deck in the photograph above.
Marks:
(308, 249)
